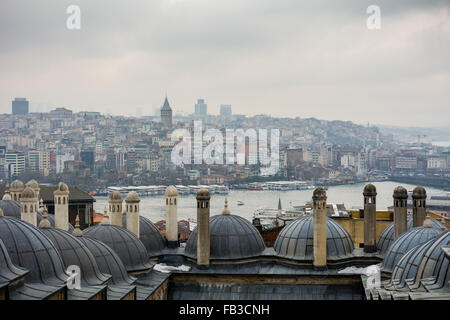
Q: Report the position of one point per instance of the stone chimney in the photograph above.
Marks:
(320, 228)
(7, 195)
(61, 198)
(370, 218)
(132, 212)
(400, 209)
(419, 196)
(115, 208)
(33, 184)
(28, 206)
(16, 190)
(172, 217)
(203, 246)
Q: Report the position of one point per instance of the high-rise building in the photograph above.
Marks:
(201, 108)
(225, 110)
(20, 106)
(45, 162)
(88, 158)
(17, 162)
(166, 115)
(33, 160)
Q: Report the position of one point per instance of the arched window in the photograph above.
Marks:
(175, 201)
(25, 208)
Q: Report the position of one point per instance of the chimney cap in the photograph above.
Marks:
(171, 191)
(419, 193)
(17, 185)
(132, 196)
(370, 190)
(28, 193)
(115, 196)
(203, 194)
(33, 184)
(61, 189)
(319, 194)
(400, 193)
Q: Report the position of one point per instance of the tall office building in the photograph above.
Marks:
(17, 162)
(33, 160)
(20, 106)
(225, 110)
(201, 108)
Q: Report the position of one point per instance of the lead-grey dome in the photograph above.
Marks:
(128, 247)
(31, 249)
(387, 236)
(74, 252)
(423, 265)
(149, 235)
(231, 237)
(405, 242)
(11, 208)
(296, 240)
(51, 219)
(9, 272)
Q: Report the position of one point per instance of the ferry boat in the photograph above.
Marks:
(240, 203)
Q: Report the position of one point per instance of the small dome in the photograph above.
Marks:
(171, 191)
(387, 236)
(405, 242)
(51, 219)
(296, 240)
(132, 197)
(203, 194)
(128, 247)
(400, 193)
(61, 188)
(74, 252)
(17, 186)
(115, 196)
(370, 190)
(149, 235)
(423, 262)
(231, 237)
(108, 261)
(419, 193)
(11, 208)
(28, 193)
(29, 248)
(319, 194)
(33, 184)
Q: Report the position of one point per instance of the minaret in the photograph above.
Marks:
(7, 195)
(400, 209)
(203, 246)
(16, 189)
(320, 228)
(115, 208)
(419, 196)
(132, 212)
(33, 184)
(29, 207)
(172, 217)
(61, 198)
(370, 218)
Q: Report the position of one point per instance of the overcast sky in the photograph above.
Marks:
(279, 57)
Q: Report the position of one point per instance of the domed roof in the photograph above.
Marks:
(51, 219)
(231, 237)
(387, 236)
(28, 193)
(419, 193)
(405, 242)
(149, 235)
(400, 193)
(17, 185)
(61, 188)
(128, 247)
(74, 252)
(203, 194)
(370, 190)
(33, 184)
(108, 261)
(423, 264)
(9, 272)
(115, 196)
(29, 248)
(11, 208)
(132, 197)
(171, 191)
(296, 240)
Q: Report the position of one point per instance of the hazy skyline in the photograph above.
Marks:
(284, 58)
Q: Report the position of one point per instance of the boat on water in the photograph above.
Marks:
(240, 203)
